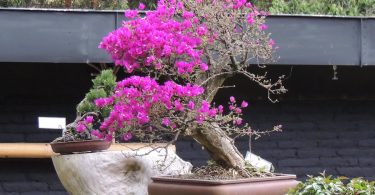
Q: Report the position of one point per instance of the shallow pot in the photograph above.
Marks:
(80, 146)
(276, 185)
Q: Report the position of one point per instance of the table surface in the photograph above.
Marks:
(44, 150)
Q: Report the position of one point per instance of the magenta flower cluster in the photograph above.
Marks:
(167, 40)
(236, 110)
(140, 101)
(135, 100)
(161, 37)
(87, 126)
(147, 42)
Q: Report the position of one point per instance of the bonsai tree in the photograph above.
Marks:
(87, 122)
(180, 55)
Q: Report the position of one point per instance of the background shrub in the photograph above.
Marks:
(327, 185)
(320, 7)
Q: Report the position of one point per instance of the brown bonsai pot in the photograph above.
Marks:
(276, 185)
(80, 146)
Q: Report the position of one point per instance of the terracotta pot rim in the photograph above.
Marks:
(278, 176)
(80, 146)
(91, 140)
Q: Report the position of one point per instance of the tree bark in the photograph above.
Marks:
(68, 3)
(95, 4)
(220, 147)
(213, 87)
(218, 144)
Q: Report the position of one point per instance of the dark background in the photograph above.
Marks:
(327, 124)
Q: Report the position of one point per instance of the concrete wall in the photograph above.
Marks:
(328, 124)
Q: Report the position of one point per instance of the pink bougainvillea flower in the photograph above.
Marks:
(263, 27)
(108, 137)
(238, 4)
(250, 19)
(97, 134)
(238, 121)
(166, 122)
(80, 127)
(178, 105)
(102, 102)
(200, 118)
(203, 66)
(131, 13)
(271, 42)
(220, 108)
(191, 105)
(212, 112)
(202, 30)
(187, 14)
(141, 6)
(89, 119)
(205, 107)
(244, 104)
(232, 99)
(127, 136)
(264, 13)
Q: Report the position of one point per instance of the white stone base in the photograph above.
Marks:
(125, 172)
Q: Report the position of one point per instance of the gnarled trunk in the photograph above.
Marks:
(218, 144)
(213, 87)
(220, 147)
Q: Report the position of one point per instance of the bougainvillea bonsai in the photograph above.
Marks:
(180, 55)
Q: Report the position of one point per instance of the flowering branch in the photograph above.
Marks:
(188, 48)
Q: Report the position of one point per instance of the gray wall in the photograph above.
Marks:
(72, 36)
(328, 125)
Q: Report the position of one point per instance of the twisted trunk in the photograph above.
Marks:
(218, 144)
(220, 147)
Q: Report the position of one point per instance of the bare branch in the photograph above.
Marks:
(94, 67)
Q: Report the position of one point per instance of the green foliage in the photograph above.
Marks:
(101, 4)
(319, 185)
(106, 80)
(103, 86)
(327, 185)
(358, 186)
(324, 7)
(77, 4)
(150, 4)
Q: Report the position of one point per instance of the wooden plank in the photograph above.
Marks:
(43, 150)
(25, 150)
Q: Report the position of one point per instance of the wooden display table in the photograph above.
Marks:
(43, 150)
